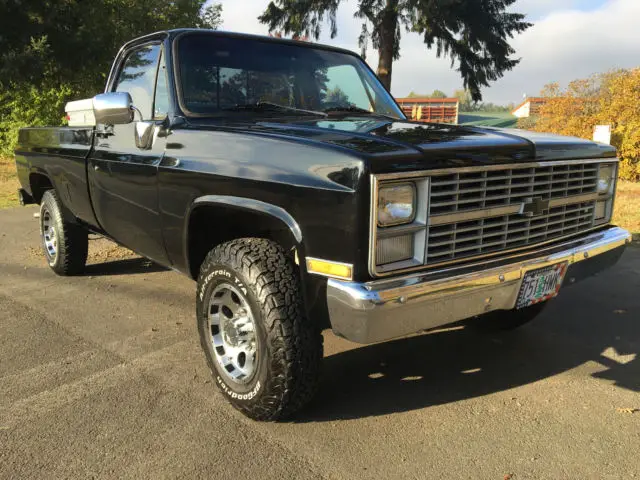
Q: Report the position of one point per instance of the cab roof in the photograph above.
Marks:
(178, 32)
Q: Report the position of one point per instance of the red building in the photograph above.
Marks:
(437, 110)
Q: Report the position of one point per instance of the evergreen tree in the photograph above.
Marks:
(474, 33)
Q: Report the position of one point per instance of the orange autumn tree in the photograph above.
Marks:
(612, 99)
(620, 107)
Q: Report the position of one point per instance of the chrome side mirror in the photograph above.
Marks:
(113, 108)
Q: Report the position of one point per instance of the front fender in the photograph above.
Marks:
(277, 215)
(257, 218)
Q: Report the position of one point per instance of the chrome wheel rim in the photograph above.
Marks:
(49, 234)
(233, 334)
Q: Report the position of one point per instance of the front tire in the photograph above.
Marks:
(264, 353)
(65, 244)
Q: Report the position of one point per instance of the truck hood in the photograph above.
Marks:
(402, 145)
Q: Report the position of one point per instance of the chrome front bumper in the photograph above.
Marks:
(385, 309)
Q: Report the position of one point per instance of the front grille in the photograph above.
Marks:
(461, 192)
(471, 191)
(469, 214)
(465, 239)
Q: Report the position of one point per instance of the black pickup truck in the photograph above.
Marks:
(286, 180)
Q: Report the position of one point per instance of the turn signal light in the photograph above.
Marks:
(330, 269)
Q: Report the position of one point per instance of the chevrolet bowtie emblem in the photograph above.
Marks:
(532, 207)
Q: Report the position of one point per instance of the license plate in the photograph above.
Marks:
(541, 285)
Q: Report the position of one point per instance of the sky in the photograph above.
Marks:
(570, 39)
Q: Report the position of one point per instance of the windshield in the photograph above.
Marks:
(219, 75)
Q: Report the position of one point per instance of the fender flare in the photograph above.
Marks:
(246, 204)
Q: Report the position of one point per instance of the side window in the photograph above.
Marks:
(161, 103)
(138, 77)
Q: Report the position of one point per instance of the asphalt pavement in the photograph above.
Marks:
(102, 376)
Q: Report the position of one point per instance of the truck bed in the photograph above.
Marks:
(56, 156)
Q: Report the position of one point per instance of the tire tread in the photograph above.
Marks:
(294, 341)
(73, 239)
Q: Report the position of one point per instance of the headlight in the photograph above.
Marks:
(605, 178)
(396, 204)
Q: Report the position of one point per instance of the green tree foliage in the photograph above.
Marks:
(55, 50)
(464, 99)
(29, 106)
(468, 105)
(336, 95)
(436, 94)
(474, 34)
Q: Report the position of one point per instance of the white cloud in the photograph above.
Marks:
(242, 16)
(537, 9)
(572, 44)
(564, 44)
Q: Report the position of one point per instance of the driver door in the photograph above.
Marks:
(123, 169)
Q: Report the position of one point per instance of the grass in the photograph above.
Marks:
(485, 119)
(8, 183)
(627, 208)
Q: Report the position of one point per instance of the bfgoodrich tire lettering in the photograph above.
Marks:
(65, 243)
(289, 345)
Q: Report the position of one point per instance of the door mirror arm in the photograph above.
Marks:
(135, 110)
(145, 134)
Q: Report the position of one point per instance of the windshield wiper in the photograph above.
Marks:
(354, 109)
(268, 106)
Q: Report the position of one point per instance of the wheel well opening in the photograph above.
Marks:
(39, 184)
(211, 226)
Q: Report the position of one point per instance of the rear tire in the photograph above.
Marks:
(65, 244)
(504, 320)
(264, 353)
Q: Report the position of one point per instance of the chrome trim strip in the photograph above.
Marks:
(509, 209)
(373, 226)
(401, 230)
(385, 309)
(474, 215)
(250, 204)
(488, 168)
